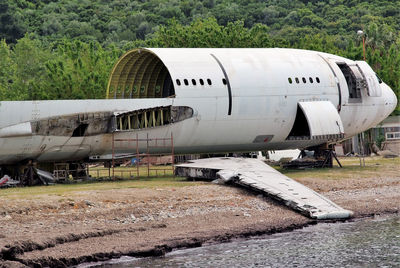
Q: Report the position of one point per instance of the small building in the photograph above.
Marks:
(386, 135)
(390, 129)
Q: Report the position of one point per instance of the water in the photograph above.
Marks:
(364, 243)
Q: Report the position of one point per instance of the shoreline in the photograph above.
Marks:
(100, 222)
(159, 252)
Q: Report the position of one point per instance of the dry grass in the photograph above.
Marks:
(69, 189)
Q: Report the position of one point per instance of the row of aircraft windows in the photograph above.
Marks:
(304, 80)
(201, 82)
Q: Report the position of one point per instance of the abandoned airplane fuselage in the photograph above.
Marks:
(211, 100)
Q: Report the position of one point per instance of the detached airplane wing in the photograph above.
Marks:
(255, 174)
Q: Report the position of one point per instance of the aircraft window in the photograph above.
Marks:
(193, 82)
(201, 82)
(224, 81)
(178, 82)
(304, 80)
(317, 79)
(186, 82)
(297, 80)
(209, 81)
(311, 80)
(290, 80)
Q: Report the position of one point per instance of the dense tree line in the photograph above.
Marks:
(58, 49)
(121, 21)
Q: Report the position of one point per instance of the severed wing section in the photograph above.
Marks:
(256, 175)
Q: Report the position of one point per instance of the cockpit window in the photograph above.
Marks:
(379, 79)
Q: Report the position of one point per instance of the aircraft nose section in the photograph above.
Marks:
(389, 98)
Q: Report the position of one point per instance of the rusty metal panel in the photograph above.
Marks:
(323, 119)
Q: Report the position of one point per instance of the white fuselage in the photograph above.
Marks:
(265, 89)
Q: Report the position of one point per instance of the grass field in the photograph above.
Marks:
(65, 189)
(374, 166)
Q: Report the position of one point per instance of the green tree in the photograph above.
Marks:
(80, 70)
(11, 23)
(208, 33)
(71, 45)
(7, 71)
(29, 57)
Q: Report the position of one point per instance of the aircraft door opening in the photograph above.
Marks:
(355, 81)
(300, 129)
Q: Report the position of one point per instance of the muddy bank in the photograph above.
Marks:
(66, 229)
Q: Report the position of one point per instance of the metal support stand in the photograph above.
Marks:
(330, 154)
(323, 157)
(113, 156)
(31, 177)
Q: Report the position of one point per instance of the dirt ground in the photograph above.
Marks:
(63, 226)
